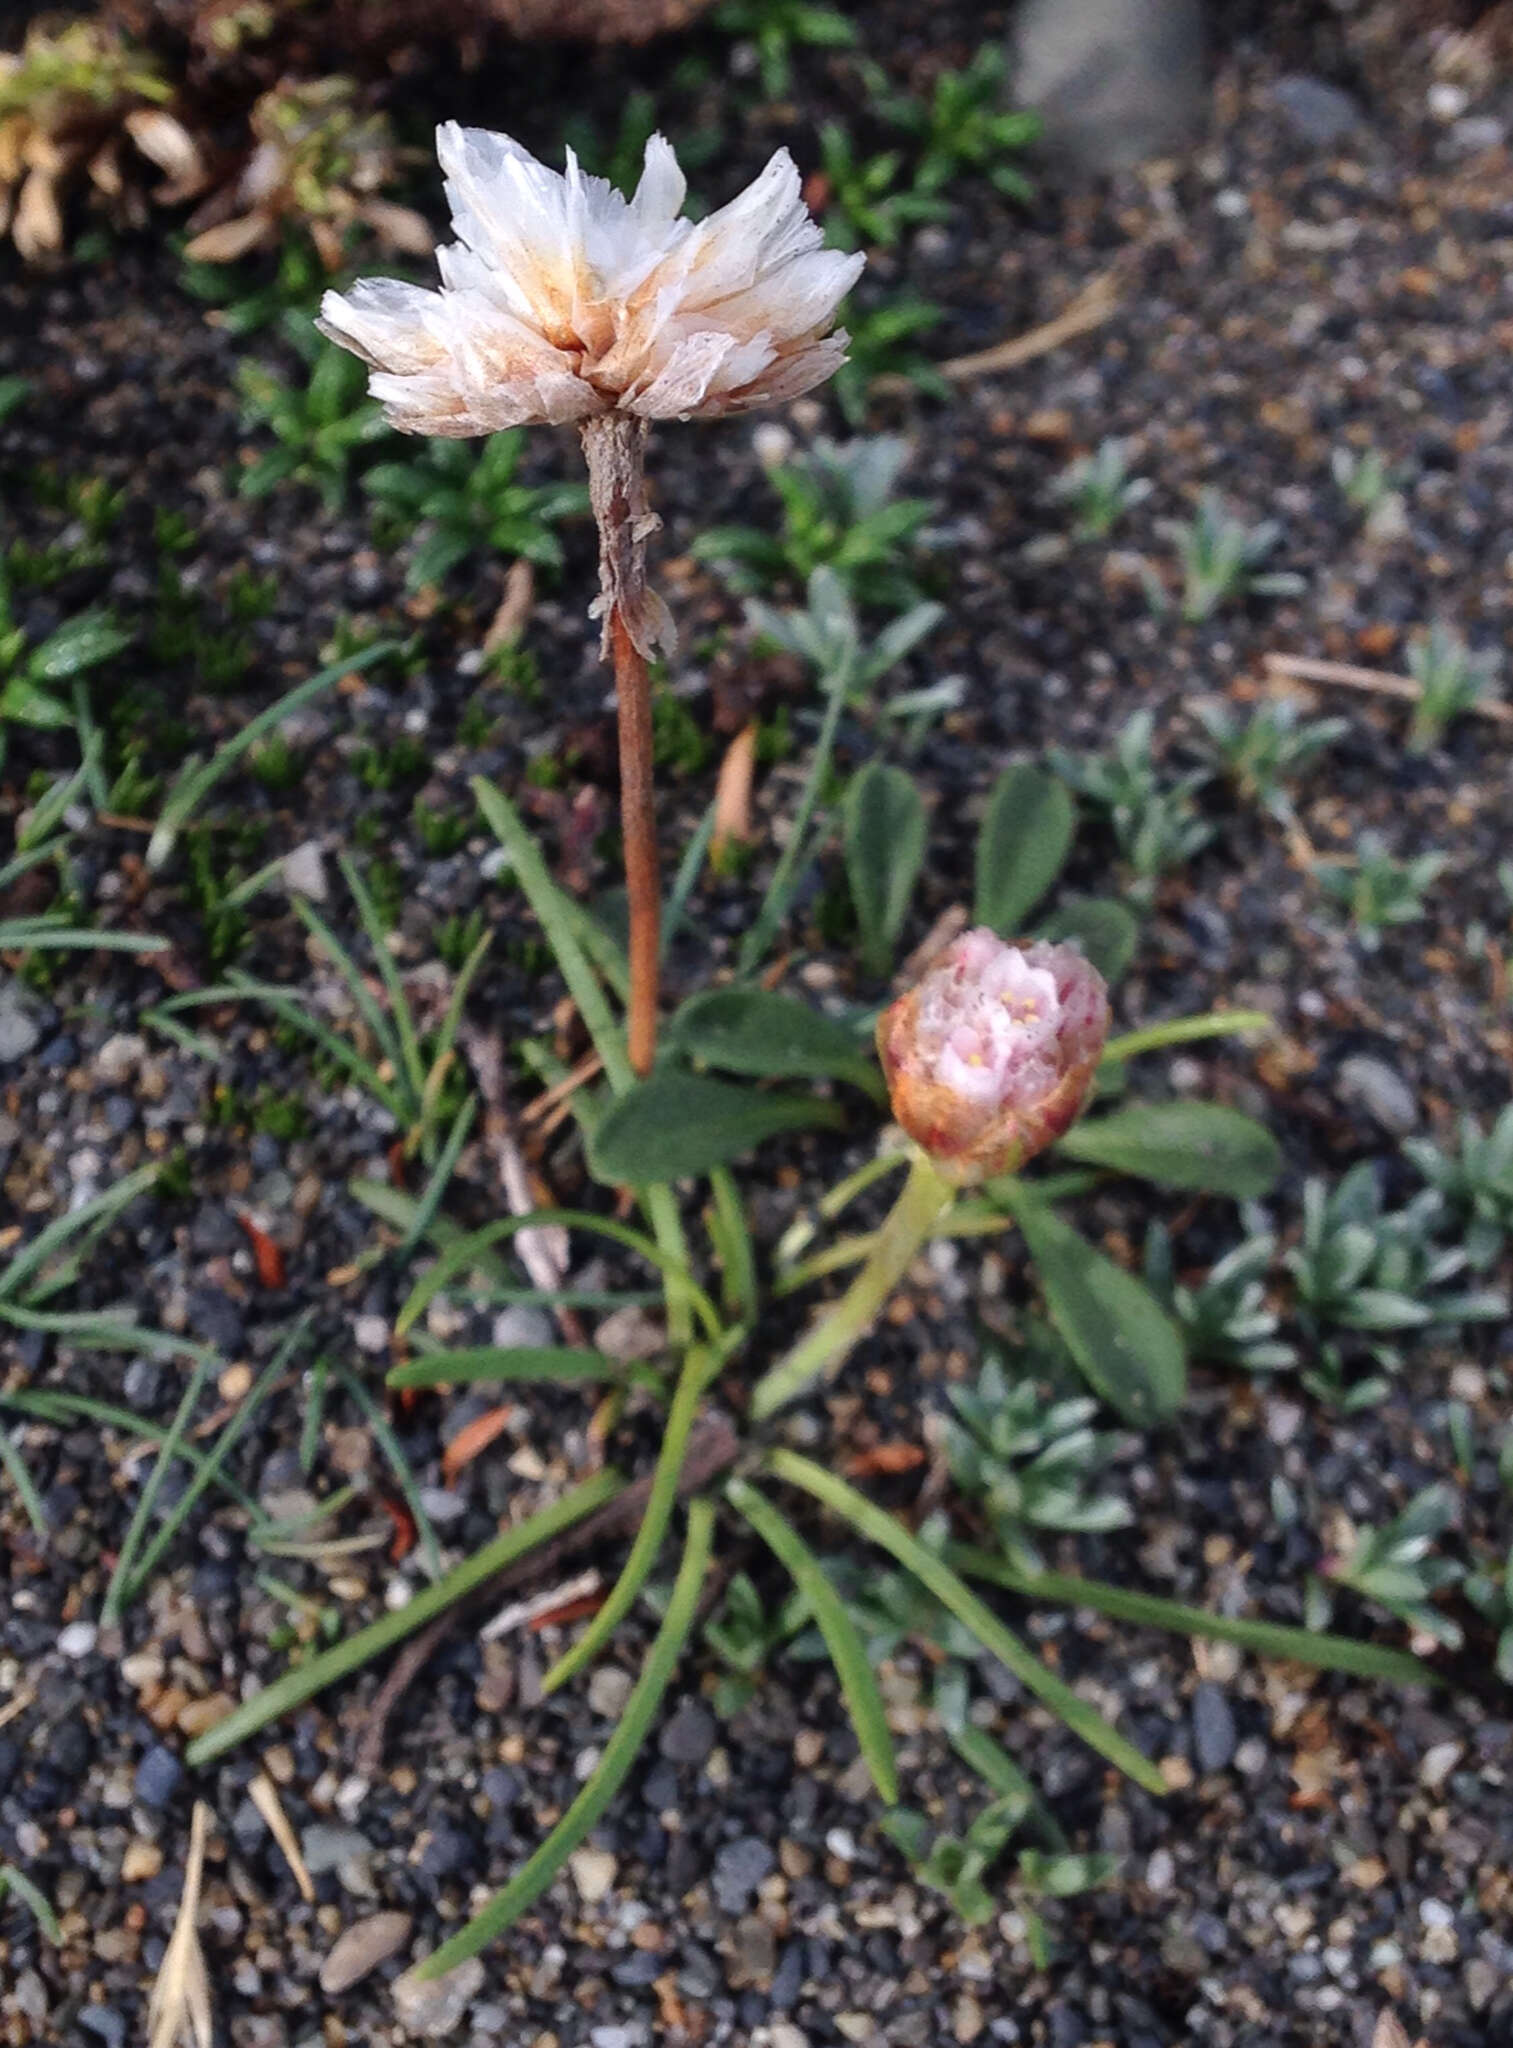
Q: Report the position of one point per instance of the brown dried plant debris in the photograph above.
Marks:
(79, 98)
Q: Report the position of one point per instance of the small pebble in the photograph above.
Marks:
(1213, 1727)
(738, 1869)
(432, 2010)
(360, 1949)
(157, 1776)
(593, 1873)
(78, 1639)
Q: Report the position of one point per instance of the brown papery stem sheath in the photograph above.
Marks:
(638, 824)
(635, 622)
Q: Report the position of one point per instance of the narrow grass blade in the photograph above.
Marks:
(958, 1598)
(553, 915)
(315, 1413)
(396, 1208)
(210, 1470)
(91, 1217)
(118, 1590)
(493, 1364)
(399, 1464)
(308, 1679)
(545, 898)
(452, 1022)
(199, 778)
(1148, 1610)
(383, 1027)
(847, 1652)
(441, 1175)
(26, 1487)
(459, 1256)
(620, 1752)
(383, 960)
(1184, 1030)
(49, 1405)
(32, 856)
(690, 867)
(698, 1369)
(45, 934)
(799, 845)
(36, 1902)
(346, 1056)
(87, 1331)
(731, 1238)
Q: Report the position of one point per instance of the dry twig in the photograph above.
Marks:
(1375, 682)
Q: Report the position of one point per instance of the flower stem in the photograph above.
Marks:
(638, 824)
(922, 1201)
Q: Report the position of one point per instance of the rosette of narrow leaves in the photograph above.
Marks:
(1397, 1567)
(468, 505)
(1031, 1463)
(1378, 1274)
(1225, 1317)
(1475, 1185)
(840, 512)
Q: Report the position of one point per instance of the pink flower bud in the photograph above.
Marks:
(990, 1056)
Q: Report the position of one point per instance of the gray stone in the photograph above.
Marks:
(1115, 81)
(688, 1735)
(105, 2023)
(1214, 1734)
(434, 2009)
(157, 1776)
(326, 1846)
(1381, 1091)
(739, 1869)
(1316, 112)
(19, 1028)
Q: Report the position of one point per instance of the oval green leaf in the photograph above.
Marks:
(1127, 1348)
(1199, 1145)
(1104, 929)
(884, 823)
(676, 1125)
(1022, 847)
(771, 1037)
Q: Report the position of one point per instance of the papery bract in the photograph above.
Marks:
(990, 1056)
(562, 300)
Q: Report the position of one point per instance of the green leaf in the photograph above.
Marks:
(1022, 847)
(884, 823)
(771, 1037)
(676, 1125)
(493, 1363)
(1127, 1347)
(958, 1598)
(1107, 932)
(1181, 1145)
(699, 1368)
(1186, 1031)
(20, 1886)
(83, 643)
(858, 1686)
(620, 1752)
(1149, 1610)
(24, 702)
(306, 1680)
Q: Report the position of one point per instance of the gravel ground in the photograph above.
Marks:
(1330, 265)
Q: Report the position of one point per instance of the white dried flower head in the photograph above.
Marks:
(564, 301)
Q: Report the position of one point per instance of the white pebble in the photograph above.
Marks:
(78, 1639)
